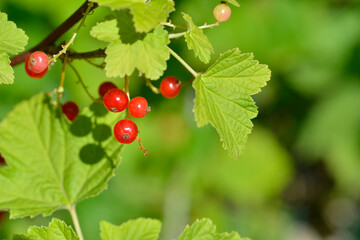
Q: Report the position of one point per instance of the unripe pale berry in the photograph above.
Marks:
(116, 100)
(71, 110)
(222, 12)
(104, 87)
(170, 87)
(31, 73)
(38, 62)
(125, 131)
(138, 107)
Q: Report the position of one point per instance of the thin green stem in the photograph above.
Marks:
(75, 220)
(177, 35)
(60, 90)
(152, 87)
(169, 24)
(127, 91)
(182, 61)
(64, 48)
(83, 84)
(126, 86)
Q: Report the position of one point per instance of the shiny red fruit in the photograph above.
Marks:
(104, 87)
(70, 109)
(170, 87)
(38, 62)
(32, 73)
(138, 107)
(125, 131)
(116, 100)
(2, 160)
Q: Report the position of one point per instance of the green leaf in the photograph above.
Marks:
(202, 229)
(149, 15)
(127, 30)
(139, 229)
(6, 71)
(58, 164)
(117, 4)
(106, 31)
(223, 97)
(12, 39)
(196, 40)
(57, 230)
(149, 56)
(229, 236)
(233, 2)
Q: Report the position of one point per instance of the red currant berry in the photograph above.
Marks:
(125, 131)
(104, 87)
(32, 73)
(138, 107)
(116, 100)
(70, 109)
(2, 160)
(222, 12)
(38, 62)
(170, 87)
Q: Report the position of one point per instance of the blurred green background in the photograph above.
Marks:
(300, 175)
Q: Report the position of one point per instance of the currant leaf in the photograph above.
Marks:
(57, 230)
(202, 229)
(196, 40)
(12, 39)
(148, 16)
(233, 2)
(139, 229)
(106, 31)
(59, 163)
(229, 236)
(127, 30)
(223, 97)
(117, 4)
(149, 56)
(6, 71)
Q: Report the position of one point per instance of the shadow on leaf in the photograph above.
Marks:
(81, 126)
(101, 132)
(91, 153)
(98, 109)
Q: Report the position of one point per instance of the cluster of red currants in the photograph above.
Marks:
(116, 100)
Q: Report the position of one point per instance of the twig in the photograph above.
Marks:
(54, 35)
(90, 5)
(192, 71)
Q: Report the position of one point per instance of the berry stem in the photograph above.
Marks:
(83, 84)
(177, 35)
(90, 6)
(75, 220)
(152, 87)
(54, 35)
(182, 61)
(126, 86)
(187, 82)
(60, 90)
